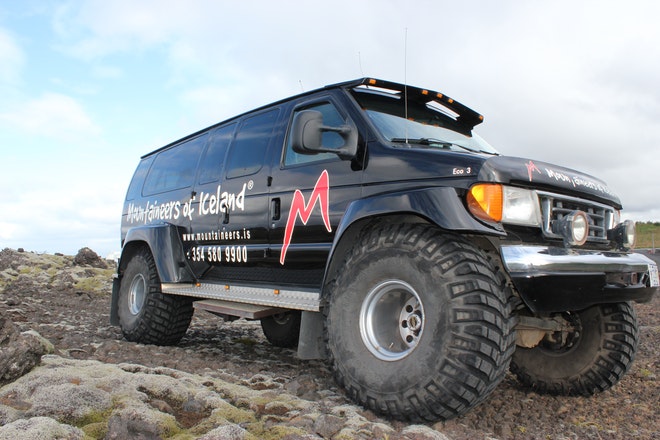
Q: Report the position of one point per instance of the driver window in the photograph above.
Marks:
(331, 117)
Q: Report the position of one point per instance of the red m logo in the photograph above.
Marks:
(320, 193)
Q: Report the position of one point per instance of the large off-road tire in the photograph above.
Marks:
(418, 323)
(146, 315)
(282, 329)
(592, 359)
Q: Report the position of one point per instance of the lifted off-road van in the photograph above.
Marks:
(367, 223)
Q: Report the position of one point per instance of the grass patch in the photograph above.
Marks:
(648, 235)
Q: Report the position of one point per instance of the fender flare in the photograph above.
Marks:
(441, 206)
(164, 242)
(171, 262)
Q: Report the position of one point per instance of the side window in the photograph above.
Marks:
(135, 188)
(247, 152)
(175, 168)
(213, 160)
(331, 117)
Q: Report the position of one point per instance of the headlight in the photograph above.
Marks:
(506, 204)
(623, 234)
(521, 207)
(574, 227)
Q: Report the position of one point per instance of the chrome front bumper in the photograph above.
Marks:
(551, 279)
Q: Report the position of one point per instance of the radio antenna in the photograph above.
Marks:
(301, 85)
(405, 82)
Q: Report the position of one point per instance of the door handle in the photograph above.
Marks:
(275, 209)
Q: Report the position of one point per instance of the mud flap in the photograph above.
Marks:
(310, 343)
(114, 316)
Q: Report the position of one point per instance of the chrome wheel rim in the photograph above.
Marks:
(137, 294)
(392, 320)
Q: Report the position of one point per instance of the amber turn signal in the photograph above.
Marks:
(485, 201)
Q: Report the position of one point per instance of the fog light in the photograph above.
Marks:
(623, 234)
(574, 228)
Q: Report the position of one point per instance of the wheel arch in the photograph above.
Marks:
(440, 206)
(164, 243)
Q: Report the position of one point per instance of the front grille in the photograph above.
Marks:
(555, 206)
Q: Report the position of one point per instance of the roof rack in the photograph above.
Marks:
(466, 116)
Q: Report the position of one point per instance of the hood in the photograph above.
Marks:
(545, 176)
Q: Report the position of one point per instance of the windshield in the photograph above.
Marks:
(427, 125)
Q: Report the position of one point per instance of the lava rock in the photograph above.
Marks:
(19, 352)
(87, 257)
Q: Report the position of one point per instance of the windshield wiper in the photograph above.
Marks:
(437, 142)
(422, 141)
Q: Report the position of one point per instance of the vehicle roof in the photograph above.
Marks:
(465, 115)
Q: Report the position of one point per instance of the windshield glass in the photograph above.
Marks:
(427, 125)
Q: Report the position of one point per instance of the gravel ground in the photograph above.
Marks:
(69, 305)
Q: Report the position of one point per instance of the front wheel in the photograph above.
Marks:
(146, 315)
(418, 323)
(591, 358)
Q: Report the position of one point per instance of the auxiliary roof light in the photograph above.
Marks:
(623, 234)
(574, 228)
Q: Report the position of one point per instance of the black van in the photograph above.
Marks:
(367, 223)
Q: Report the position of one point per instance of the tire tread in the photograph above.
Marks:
(613, 360)
(482, 318)
(165, 318)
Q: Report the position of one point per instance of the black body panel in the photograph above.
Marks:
(259, 211)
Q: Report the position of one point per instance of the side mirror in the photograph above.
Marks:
(307, 135)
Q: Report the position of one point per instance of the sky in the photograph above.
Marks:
(87, 87)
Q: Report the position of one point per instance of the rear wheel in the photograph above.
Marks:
(282, 329)
(418, 323)
(591, 358)
(146, 315)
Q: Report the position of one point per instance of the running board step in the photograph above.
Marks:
(281, 298)
(241, 310)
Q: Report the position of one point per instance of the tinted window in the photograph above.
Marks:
(329, 139)
(214, 158)
(175, 168)
(248, 150)
(135, 188)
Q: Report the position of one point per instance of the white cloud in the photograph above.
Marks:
(64, 216)
(8, 230)
(12, 59)
(95, 28)
(108, 72)
(563, 83)
(52, 115)
(211, 41)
